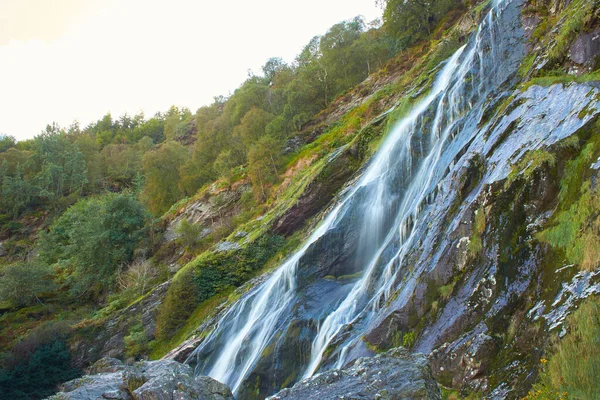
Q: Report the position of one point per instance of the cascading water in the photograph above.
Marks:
(375, 225)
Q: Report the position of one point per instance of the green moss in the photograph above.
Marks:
(575, 17)
(528, 164)
(446, 290)
(211, 274)
(475, 240)
(572, 370)
(561, 78)
(575, 229)
(161, 347)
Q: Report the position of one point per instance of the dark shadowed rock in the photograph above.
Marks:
(396, 374)
(147, 380)
(586, 48)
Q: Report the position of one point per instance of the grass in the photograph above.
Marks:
(576, 227)
(161, 347)
(475, 240)
(572, 371)
(576, 16)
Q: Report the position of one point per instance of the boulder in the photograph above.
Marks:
(146, 380)
(396, 374)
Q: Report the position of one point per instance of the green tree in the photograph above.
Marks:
(22, 284)
(17, 193)
(161, 172)
(409, 21)
(7, 142)
(262, 164)
(61, 165)
(92, 240)
(252, 126)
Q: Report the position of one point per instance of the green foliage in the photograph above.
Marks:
(189, 233)
(211, 274)
(409, 339)
(7, 142)
(573, 369)
(23, 283)
(161, 170)
(37, 376)
(92, 240)
(263, 159)
(37, 364)
(61, 165)
(413, 20)
(575, 228)
(136, 342)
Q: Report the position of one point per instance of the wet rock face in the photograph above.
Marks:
(395, 374)
(149, 380)
(108, 341)
(585, 50)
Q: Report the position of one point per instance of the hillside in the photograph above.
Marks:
(426, 183)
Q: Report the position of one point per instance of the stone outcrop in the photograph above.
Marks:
(108, 340)
(147, 380)
(396, 374)
(585, 49)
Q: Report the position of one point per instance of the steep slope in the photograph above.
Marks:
(435, 246)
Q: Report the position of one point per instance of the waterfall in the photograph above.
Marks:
(377, 218)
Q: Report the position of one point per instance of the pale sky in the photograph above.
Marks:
(66, 60)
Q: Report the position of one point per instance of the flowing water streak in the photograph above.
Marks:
(255, 316)
(455, 99)
(376, 172)
(233, 348)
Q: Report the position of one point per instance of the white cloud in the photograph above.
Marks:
(128, 56)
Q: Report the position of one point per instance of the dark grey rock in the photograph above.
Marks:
(227, 246)
(146, 380)
(396, 374)
(586, 48)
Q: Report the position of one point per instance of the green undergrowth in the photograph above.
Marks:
(572, 369)
(211, 274)
(554, 34)
(560, 78)
(576, 227)
(159, 348)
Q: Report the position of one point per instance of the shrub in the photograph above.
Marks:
(22, 283)
(92, 239)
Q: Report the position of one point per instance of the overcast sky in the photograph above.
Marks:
(66, 60)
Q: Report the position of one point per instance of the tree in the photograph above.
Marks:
(409, 21)
(22, 283)
(17, 193)
(161, 173)
(92, 240)
(252, 126)
(7, 142)
(61, 165)
(262, 164)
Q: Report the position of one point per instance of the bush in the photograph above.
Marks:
(92, 239)
(37, 364)
(22, 283)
